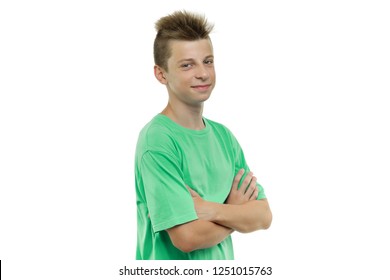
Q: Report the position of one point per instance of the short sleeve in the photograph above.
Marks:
(169, 202)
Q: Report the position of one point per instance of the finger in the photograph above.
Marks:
(251, 188)
(237, 179)
(246, 182)
(192, 192)
(254, 194)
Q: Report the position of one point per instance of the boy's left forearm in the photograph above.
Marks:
(250, 216)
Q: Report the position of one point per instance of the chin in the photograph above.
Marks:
(205, 97)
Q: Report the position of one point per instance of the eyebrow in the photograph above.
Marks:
(191, 59)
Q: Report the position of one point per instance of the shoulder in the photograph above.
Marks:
(156, 135)
(225, 133)
(216, 125)
(154, 127)
(219, 128)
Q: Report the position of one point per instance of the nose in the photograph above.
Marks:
(202, 73)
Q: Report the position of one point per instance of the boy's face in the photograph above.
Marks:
(190, 78)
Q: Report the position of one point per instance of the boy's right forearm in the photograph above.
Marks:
(209, 234)
(198, 234)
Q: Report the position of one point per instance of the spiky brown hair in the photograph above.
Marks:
(180, 25)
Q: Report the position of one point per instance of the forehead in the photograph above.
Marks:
(198, 49)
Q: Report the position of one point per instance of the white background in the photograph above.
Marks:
(304, 86)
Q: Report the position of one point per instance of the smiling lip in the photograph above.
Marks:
(202, 87)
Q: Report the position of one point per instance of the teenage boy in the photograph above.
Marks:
(193, 185)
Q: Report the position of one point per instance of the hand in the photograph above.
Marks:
(247, 191)
(203, 208)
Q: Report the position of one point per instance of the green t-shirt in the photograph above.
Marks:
(169, 157)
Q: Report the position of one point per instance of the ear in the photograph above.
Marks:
(159, 73)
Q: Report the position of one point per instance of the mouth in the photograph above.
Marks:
(201, 87)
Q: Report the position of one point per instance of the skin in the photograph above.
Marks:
(241, 212)
(190, 79)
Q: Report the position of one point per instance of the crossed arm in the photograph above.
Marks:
(241, 212)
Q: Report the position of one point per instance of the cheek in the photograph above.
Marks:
(181, 81)
(212, 72)
(185, 78)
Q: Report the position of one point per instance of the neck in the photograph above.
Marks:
(188, 117)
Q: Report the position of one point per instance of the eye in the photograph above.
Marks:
(186, 65)
(209, 61)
